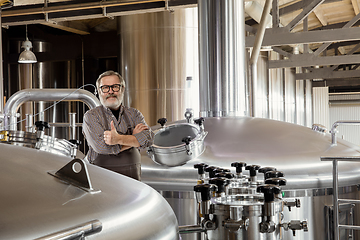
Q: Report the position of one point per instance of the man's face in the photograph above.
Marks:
(111, 99)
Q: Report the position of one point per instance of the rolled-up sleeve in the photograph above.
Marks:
(93, 130)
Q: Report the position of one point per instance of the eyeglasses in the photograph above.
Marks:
(115, 88)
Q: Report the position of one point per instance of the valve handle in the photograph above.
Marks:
(264, 170)
(252, 169)
(269, 191)
(274, 174)
(238, 166)
(186, 140)
(220, 183)
(205, 190)
(276, 181)
(162, 121)
(224, 175)
(199, 121)
(210, 170)
(201, 167)
(41, 125)
(76, 142)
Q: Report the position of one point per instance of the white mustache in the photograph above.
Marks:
(111, 95)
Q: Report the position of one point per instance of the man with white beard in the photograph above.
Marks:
(114, 131)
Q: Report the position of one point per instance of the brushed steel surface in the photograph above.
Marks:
(158, 52)
(36, 204)
(293, 149)
(222, 58)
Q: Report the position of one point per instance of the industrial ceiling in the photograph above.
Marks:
(325, 31)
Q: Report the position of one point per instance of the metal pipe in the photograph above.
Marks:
(25, 95)
(260, 33)
(73, 7)
(190, 229)
(222, 70)
(336, 124)
(255, 56)
(29, 123)
(77, 232)
(72, 126)
(335, 199)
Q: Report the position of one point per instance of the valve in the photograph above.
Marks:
(75, 142)
(274, 174)
(210, 170)
(205, 191)
(162, 121)
(276, 181)
(199, 121)
(220, 183)
(201, 168)
(294, 203)
(187, 141)
(295, 225)
(227, 175)
(269, 192)
(238, 166)
(264, 170)
(252, 169)
(41, 125)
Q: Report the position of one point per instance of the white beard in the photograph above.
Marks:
(113, 105)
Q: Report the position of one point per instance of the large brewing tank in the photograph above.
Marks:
(293, 149)
(38, 205)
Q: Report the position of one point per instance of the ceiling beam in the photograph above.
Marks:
(285, 38)
(69, 27)
(324, 73)
(355, 6)
(319, 13)
(306, 11)
(306, 60)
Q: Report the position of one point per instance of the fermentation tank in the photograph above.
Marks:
(293, 149)
(49, 196)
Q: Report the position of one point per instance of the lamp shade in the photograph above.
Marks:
(27, 56)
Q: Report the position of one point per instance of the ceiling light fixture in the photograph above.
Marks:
(27, 56)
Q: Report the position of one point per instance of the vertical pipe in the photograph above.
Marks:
(222, 58)
(29, 123)
(72, 126)
(255, 55)
(335, 200)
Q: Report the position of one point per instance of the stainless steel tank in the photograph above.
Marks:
(293, 149)
(42, 200)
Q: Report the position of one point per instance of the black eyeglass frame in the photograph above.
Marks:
(110, 86)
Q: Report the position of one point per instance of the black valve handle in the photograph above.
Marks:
(205, 190)
(266, 169)
(220, 183)
(41, 125)
(269, 191)
(227, 175)
(199, 121)
(201, 167)
(238, 166)
(252, 169)
(162, 121)
(276, 181)
(76, 142)
(210, 170)
(186, 140)
(274, 174)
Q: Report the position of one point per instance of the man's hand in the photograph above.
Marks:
(139, 128)
(111, 137)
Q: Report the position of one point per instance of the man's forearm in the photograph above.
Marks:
(127, 140)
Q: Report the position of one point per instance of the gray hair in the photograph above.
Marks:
(109, 73)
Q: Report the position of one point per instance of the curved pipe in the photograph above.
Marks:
(26, 95)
